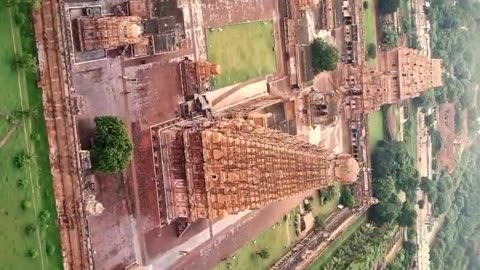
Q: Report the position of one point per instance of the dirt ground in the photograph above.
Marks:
(446, 127)
(219, 13)
(113, 224)
(424, 148)
(394, 123)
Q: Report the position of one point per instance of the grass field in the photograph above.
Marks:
(370, 28)
(337, 243)
(273, 239)
(244, 51)
(26, 194)
(376, 129)
(410, 131)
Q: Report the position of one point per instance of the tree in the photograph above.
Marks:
(327, 194)
(27, 62)
(319, 224)
(407, 215)
(383, 188)
(436, 142)
(112, 148)
(365, 5)
(426, 185)
(421, 204)
(388, 6)
(441, 204)
(429, 120)
(386, 212)
(346, 197)
(371, 51)
(324, 56)
(390, 35)
(263, 253)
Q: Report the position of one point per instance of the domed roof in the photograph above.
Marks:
(346, 169)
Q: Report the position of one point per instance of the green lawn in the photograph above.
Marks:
(26, 191)
(273, 239)
(337, 243)
(370, 28)
(410, 131)
(376, 129)
(244, 51)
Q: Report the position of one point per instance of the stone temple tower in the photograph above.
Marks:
(211, 169)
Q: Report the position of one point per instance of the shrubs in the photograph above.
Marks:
(50, 249)
(22, 183)
(346, 196)
(35, 137)
(19, 160)
(371, 51)
(365, 4)
(28, 62)
(319, 224)
(33, 253)
(26, 204)
(44, 217)
(264, 253)
(30, 229)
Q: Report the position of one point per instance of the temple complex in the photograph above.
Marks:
(214, 169)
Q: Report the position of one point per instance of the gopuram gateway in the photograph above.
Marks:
(211, 169)
(403, 74)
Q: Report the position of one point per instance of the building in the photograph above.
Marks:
(196, 76)
(109, 32)
(403, 74)
(411, 73)
(297, 43)
(218, 168)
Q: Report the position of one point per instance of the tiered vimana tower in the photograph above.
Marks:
(214, 169)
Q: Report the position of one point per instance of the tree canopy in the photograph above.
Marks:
(346, 197)
(388, 6)
(407, 215)
(324, 56)
(383, 188)
(386, 212)
(390, 35)
(112, 148)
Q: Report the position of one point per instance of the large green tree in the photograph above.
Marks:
(386, 212)
(112, 148)
(383, 188)
(407, 215)
(324, 56)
